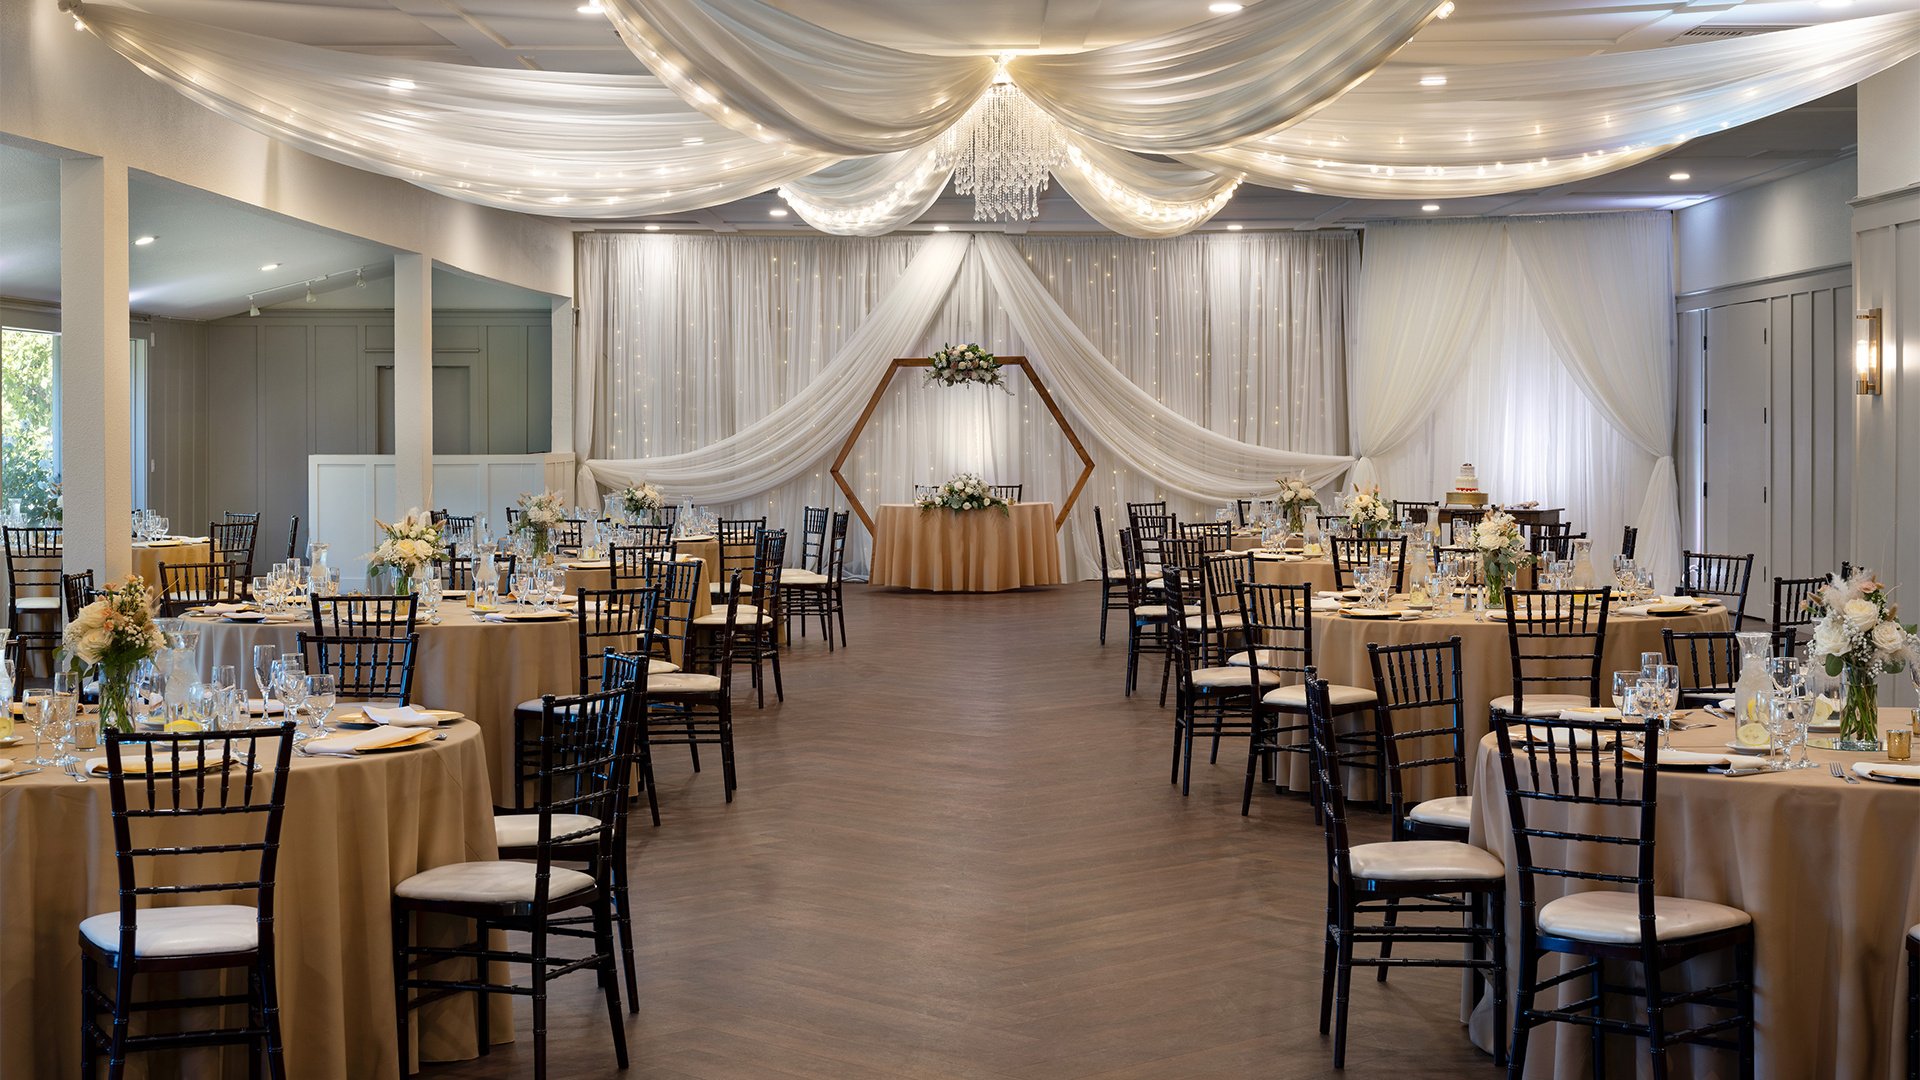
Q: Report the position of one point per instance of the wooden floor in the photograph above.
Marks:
(955, 853)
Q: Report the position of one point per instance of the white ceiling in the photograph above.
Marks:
(210, 249)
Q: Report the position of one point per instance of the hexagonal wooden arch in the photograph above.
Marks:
(1033, 376)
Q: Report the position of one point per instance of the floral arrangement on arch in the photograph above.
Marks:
(1503, 551)
(642, 498)
(1367, 512)
(1856, 632)
(958, 365)
(410, 548)
(115, 633)
(963, 492)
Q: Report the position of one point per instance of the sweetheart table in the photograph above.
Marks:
(965, 550)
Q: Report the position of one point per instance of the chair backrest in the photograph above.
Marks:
(738, 542)
(1355, 553)
(78, 590)
(1100, 535)
(457, 527)
(33, 560)
(1576, 773)
(565, 535)
(1329, 522)
(612, 621)
(1557, 638)
(1419, 715)
(1629, 540)
(1186, 555)
(584, 756)
(813, 538)
(1149, 532)
(1790, 596)
(1724, 577)
(1180, 588)
(293, 537)
(1276, 624)
(367, 666)
(1213, 535)
(1536, 528)
(185, 586)
(627, 563)
(1466, 517)
(233, 541)
(1138, 510)
(1241, 508)
(1417, 511)
(770, 551)
(836, 567)
(726, 636)
(677, 585)
(158, 783)
(1223, 573)
(456, 571)
(1328, 788)
(235, 517)
(1709, 660)
(1009, 492)
(1551, 539)
(360, 614)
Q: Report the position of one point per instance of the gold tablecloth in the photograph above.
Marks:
(1830, 873)
(1315, 572)
(482, 669)
(147, 559)
(353, 829)
(965, 550)
(597, 574)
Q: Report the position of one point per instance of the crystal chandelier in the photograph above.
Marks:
(1001, 152)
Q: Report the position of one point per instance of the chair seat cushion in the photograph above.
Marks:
(1453, 812)
(1116, 575)
(1203, 621)
(684, 682)
(1159, 611)
(1338, 695)
(42, 603)
(1231, 678)
(743, 616)
(1613, 918)
(795, 575)
(657, 666)
(1424, 860)
(498, 882)
(523, 830)
(195, 930)
(720, 589)
(1542, 704)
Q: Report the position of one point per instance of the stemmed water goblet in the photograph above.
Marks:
(33, 707)
(320, 693)
(290, 683)
(1660, 691)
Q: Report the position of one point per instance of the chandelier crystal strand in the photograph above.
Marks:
(1002, 153)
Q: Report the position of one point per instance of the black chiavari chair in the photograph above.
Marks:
(813, 539)
(1420, 722)
(1138, 510)
(695, 709)
(293, 537)
(1147, 619)
(233, 541)
(1723, 577)
(1559, 772)
(162, 789)
(1114, 589)
(1709, 660)
(817, 594)
(354, 614)
(1422, 512)
(605, 621)
(1219, 622)
(1352, 554)
(1215, 699)
(185, 587)
(1456, 881)
(738, 539)
(1790, 596)
(754, 626)
(79, 592)
(1277, 627)
(365, 667)
(1214, 536)
(33, 592)
(1009, 492)
(1629, 540)
(456, 571)
(1555, 638)
(236, 517)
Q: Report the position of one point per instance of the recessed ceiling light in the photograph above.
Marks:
(652, 228)
(1224, 7)
(1430, 208)
(143, 241)
(591, 7)
(692, 140)
(1433, 80)
(400, 84)
(1836, 3)
(271, 266)
(942, 228)
(1446, 9)
(1233, 228)
(1680, 176)
(778, 211)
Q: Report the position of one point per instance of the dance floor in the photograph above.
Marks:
(955, 853)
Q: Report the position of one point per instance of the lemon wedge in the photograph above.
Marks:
(1752, 735)
(182, 725)
(1822, 709)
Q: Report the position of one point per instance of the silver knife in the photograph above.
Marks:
(17, 772)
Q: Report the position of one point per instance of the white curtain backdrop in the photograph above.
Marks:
(706, 356)
(1555, 377)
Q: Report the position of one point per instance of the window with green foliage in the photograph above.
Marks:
(29, 452)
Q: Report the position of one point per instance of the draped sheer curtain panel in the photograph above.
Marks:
(690, 341)
(1555, 377)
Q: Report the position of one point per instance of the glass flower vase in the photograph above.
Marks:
(1859, 709)
(1296, 519)
(1496, 576)
(116, 696)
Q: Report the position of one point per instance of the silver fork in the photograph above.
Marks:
(1834, 768)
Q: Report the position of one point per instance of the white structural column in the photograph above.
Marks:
(562, 386)
(412, 382)
(95, 455)
(1886, 267)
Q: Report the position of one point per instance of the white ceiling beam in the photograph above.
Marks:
(463, 30)
(1066, 23)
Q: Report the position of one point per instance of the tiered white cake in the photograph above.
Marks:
(1466, 489)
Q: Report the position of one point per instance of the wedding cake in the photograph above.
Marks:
(1466, 489)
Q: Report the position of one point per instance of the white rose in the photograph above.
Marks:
(1889, 637)
(1861, 615)
(1829, 638)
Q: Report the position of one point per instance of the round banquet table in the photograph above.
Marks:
(1315, 572)
(465, 664)
(965, 550)
(1830, 873)
(147, 557)
(353, 828)
(597, 574)
(1486, 669)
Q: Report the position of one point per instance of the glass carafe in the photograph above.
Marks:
(1580, 554)
(1750, 691)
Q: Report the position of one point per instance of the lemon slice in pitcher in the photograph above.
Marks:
(1823, 710)
(177, 726)
(1752, 735)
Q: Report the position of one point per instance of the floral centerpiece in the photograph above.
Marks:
(1503, 551)
(640, 501)
(1295, 496)
(963, 492)
(957, 365)
(1367, 512)
(1856, 636)
(409, 550)
(539, 514)
(113, 634)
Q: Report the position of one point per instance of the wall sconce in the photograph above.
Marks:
(1866, 354)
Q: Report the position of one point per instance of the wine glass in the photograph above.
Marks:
(431, 593)
(33, 706)
(320, 694)
(1622, 686)
(1661, 682)
(290, 684)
